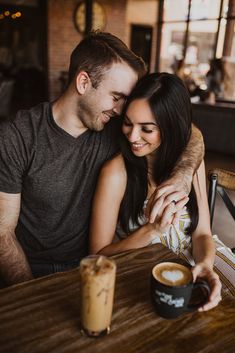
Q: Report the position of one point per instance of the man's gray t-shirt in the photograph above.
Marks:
(56, 175)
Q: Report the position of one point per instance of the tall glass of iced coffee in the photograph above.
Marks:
(97, 292)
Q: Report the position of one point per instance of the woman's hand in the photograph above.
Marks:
(204, 271)
(160, 202)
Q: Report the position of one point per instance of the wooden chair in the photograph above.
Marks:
(219, 182)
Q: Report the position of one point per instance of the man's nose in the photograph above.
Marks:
(119, 106)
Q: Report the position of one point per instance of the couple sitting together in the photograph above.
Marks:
(69, 169)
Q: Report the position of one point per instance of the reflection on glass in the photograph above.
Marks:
(200, 48)
(194, 63)
(172, 45)
(225, 8)
(229, 84)
(204, 9)
(233, 41)
(202, 34)
(221, 36)
(175, 10)
(229, 60)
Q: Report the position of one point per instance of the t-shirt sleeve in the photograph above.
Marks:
(114, 131)
(13, 159)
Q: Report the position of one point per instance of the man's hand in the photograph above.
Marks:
(174, 191)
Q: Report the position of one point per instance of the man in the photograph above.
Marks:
(50, 157)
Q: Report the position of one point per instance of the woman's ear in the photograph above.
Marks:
(82, 82)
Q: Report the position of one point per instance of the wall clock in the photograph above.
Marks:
(98, 20)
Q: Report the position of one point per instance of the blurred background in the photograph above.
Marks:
(193, 38)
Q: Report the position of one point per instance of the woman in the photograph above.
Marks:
(156, 128)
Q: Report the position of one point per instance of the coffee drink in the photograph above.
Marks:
(97, 293)
(172, 274)
(173, 291)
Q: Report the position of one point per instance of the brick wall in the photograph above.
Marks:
(116, 18)
(63, 36)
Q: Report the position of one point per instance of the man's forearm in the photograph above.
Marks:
(14, 267)
(191, 157)
(194, 151)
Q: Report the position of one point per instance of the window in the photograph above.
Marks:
(194, 34)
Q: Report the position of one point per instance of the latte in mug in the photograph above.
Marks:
(172, 290)
(172, 274)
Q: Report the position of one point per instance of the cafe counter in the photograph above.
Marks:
(217, 124)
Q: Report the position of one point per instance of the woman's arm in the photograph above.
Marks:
(106, 204)
(203, 245)
(202, 242)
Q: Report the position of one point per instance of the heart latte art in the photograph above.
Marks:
(172, 274)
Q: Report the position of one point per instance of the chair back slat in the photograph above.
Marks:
(225, 197)
(226, 179)
(213, 179)
(219, 180)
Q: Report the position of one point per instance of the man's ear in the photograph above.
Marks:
(82, 82)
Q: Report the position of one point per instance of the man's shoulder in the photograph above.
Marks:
(32, 116)
(26, 122)
(26, 117)
(22, 131)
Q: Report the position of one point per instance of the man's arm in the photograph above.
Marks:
(14, 267)
(178, 186)
(190, 159)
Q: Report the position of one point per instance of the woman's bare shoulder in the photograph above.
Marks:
(115, 169)
(115, 165)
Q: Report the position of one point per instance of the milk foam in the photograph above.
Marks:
(172, 276)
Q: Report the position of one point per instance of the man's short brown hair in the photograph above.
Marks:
(97, 52)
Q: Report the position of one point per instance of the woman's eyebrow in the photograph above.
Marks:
(145, 123)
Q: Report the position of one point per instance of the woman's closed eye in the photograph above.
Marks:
(144, 128)
(147, 130)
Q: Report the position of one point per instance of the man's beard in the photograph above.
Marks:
(89, 117)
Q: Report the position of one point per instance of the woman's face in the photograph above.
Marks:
(140, 128)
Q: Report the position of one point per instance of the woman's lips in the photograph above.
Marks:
(137, 146)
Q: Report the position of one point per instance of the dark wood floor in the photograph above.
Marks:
(223, 224)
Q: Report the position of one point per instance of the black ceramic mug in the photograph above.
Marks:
(173, 291)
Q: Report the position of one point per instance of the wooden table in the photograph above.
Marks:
(42, 316)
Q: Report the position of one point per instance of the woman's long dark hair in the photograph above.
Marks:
(169, 101)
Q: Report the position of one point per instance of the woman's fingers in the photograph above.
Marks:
(178, 199)
(214, 298)
(159, 201)
(171, 212)
(211, 304)
(167, 216)
(214, 282)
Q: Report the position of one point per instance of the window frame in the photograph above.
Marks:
(161, 22)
